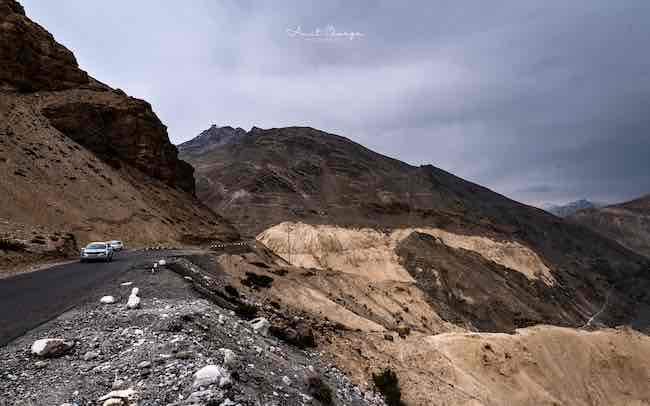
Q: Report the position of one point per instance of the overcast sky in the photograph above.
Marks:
(544, 101)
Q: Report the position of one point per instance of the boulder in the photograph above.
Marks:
(51, 347)
(211, 374)
(125, 397)
(90, 355)
(107, 300)
(230, 360)
(261, 326)
(134, 300)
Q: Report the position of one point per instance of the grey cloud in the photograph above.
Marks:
(541, 101)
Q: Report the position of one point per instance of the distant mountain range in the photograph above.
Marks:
(565, 210)
(627, 223)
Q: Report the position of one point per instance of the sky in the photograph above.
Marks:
(542, 101)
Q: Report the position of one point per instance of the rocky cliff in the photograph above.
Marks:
(80, 157)
(30, 58)
(120, 129)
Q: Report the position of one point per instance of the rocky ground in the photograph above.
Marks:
(23, 246)
(173, 348)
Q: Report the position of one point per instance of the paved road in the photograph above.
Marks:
(31, 299)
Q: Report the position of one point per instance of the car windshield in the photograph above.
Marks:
(96, 246)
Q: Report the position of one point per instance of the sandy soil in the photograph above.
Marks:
(542, 365)
(371, 253)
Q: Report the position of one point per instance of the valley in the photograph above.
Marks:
(288, 266)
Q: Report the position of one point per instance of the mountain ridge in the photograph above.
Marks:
(628, 223)
(302, 175)
(568, 209)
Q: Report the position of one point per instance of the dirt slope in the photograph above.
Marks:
(627, 223)
(357, 320)
(542, 365)
(80, 157)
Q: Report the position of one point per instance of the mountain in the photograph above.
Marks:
(322, 201)
(414, 269)
(78, 156)
(213, 137)
(565, 210)
(627, 223)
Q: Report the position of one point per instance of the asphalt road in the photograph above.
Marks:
(28, 300)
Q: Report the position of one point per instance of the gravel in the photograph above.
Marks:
(174, 349)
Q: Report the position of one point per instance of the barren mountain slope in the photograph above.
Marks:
(366, 326)
(80, 157)
(262, 178)
(627, 223)
(541, 365)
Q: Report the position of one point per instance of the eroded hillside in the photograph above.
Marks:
(367, 326)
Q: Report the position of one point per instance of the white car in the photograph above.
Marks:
(97, 251)
(117, 245)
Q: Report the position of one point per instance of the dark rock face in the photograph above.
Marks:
(469, 290)
(120, 129)
(30, 58)
(123, 130)
(627, 223)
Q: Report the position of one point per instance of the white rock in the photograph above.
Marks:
(211, 374)
(286, 381)
(261, 326)
(40, 364)
(221, 319)
(227, 402)
(126, 284)
(162, 262)
(51, 347)
(230, 360)
(90, 355)
(107, 300)
(134, 300)
(119, 397)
